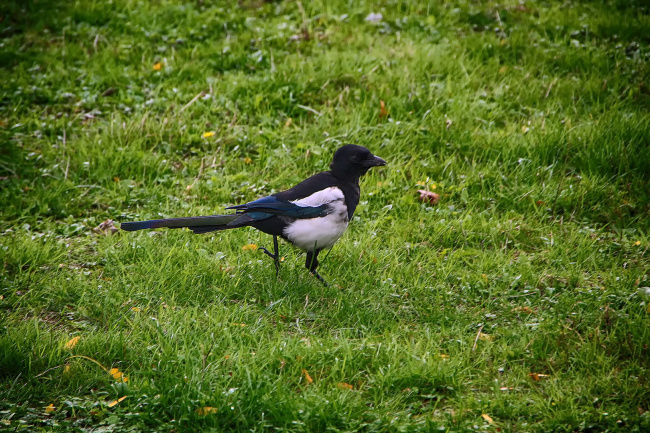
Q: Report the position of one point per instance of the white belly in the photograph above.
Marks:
(320, 232)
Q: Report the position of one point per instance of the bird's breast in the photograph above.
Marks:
(311, 234)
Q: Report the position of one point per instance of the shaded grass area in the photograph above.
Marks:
(515, 304)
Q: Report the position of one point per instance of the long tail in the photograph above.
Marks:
(200, 224)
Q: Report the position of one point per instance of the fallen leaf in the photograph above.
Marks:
(247, 160)
(526, 310)
(344, 386)
(116, 179)
(249, 247)
(207, 410)
(487, 418)
(72, 343)
(208, 134)
(537, 376)
(429, 197)
(66, 369)
(157, 66)
(50, 408)
(107, 228)
(136, 309)
(307, 376)
(383, 112)
(114, 402)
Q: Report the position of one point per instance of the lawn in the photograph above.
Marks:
(520, 302)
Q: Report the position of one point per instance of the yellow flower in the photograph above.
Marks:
(157, 66)
(208, 134)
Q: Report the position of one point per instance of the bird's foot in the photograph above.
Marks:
(275, 257)
(317, 275)
(268, 253)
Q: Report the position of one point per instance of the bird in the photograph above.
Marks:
(312, 215)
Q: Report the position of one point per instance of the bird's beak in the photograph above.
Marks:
(375, 161)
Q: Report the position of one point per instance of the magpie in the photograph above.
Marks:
(312, 215)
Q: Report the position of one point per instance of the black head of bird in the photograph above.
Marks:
(352, 161)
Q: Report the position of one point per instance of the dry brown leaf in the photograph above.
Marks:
(107, 228)
(537, 376)
(50, 408)
(383, 112)
(526, 310)
(344, 386)
(307, 376)
(429, 197)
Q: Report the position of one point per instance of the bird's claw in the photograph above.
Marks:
(317, 275)
(275, 255)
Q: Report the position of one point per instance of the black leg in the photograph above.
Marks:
(312, 263)
(275, 255)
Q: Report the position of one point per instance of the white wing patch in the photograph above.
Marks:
(321, 232)
(325, 196)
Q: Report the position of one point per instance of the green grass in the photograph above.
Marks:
(529, 119)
